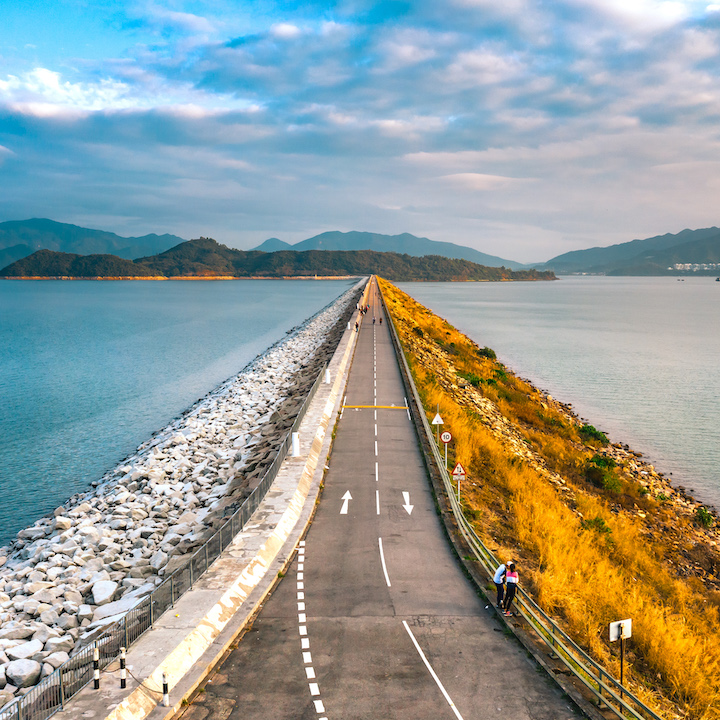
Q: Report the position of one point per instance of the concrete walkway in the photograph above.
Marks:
(375, 618)
(189, 640)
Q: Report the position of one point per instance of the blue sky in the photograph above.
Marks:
(520, 128)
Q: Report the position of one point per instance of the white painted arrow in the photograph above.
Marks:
(407, 505)
(346, 498)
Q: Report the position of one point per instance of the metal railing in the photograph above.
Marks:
(52, 693)
(606, 689)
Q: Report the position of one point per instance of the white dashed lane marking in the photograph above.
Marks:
(314, 687)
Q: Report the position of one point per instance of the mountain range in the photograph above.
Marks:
(205, 258)
(653, 256)
(687, 252)
(404, 244)
(20, 238)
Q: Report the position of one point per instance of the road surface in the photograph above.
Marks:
(374, 618)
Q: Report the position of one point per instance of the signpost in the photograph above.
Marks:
(446, 437)
(459, 475)
(619, 631)
(437, 422)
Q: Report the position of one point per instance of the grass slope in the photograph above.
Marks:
(598, 535)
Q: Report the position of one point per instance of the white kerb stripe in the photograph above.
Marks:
(432, 672)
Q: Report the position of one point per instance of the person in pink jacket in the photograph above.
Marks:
(511, 583)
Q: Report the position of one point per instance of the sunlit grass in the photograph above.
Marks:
(584, 553)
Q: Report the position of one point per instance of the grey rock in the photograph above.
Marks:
(23, 673)
(56, 659)
(103, 591)
(59, 644)
(24, 650)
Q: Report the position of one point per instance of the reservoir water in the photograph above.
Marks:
(638, 357)
(89, 370)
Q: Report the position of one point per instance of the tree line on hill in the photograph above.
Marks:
(205, 257)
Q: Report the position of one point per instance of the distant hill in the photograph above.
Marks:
(20, 238)
(206, 258)
(651, 256)
(404, 244)
(273, 245)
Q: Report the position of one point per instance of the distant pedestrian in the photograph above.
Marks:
(373, 320)
(499, 580)
(512, 579)
(381, 321)
(357, 326)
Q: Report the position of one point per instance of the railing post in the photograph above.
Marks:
(206, 556)
(172, 590)
(62, 689)
(152, 613)
(191, 571)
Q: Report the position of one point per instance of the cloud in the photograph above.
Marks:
(285, 31)
(495, 124)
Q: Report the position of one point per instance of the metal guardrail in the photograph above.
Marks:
(603, 686)
(53, 692)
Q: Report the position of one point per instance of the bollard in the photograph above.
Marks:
(348, 326)
(296, 444)
(166, 694)
(96, 668)
(123, 672)
(327, 376)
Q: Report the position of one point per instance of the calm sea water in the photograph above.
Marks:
(88, 370)
(638, 357)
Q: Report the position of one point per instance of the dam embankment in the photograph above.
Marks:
(70, 575)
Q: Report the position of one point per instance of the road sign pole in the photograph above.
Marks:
(446, 467)
(622, 664)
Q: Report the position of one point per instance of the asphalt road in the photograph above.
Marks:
(374, 618)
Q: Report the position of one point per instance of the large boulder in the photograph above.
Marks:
(103, 591)
(60, 644)
(24, 651)
(23, 673)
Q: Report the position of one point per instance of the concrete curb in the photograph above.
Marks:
(188, 641)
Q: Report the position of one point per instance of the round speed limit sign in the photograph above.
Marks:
(446, 437)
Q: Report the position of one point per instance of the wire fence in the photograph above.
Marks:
(606, 689)
(53, 692)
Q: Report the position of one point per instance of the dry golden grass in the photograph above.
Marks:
(582, 559)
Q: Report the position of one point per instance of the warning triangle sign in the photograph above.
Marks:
(458, 470)
(437, 420)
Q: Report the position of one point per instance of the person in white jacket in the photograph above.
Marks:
(499, 580)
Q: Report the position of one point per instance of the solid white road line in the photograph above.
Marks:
(382, 560)
(432, 672)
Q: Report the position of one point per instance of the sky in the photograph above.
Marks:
(522, 129)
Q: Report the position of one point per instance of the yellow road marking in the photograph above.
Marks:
(377, 407)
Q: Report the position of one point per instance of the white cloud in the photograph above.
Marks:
(477, 181)
(285, 31)
(187, 22)
(482, 67)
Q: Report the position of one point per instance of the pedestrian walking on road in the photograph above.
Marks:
(499, 580)
(373, 320)
(357, 327)
(512, 579)
(381, 321)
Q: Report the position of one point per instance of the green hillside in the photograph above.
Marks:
(206, 258)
